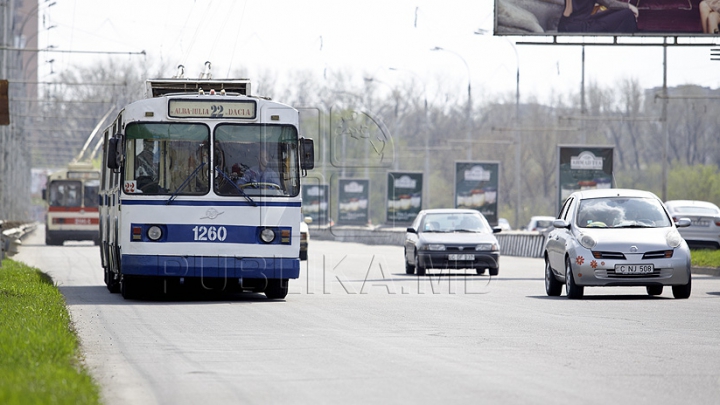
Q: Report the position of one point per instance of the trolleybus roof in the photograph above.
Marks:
(161, 87)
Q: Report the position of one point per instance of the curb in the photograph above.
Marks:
(708, 271)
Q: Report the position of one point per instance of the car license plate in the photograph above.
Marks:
(461, 257)
(700, 222)
(634, 268)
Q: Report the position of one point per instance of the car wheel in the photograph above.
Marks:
(420, 270)
(409, 268)
(572, 290)
(495, 271)
(480, 271)
(654, 289)
(553, 287)
(682, 291)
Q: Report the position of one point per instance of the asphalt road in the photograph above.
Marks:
(356, 330)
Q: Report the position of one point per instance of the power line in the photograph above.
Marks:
(8, 48)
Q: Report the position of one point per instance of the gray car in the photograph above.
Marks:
(451, 239)
(616, 237)
(704, 229)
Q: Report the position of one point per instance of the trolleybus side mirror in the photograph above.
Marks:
(307, 154)
(114, 153)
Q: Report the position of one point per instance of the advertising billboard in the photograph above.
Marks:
(602, 17)
(476, 187)
(583, 168)
(404, 196)
(353, 201)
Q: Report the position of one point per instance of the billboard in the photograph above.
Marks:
(583, 168)
(353, 201)
(476, 187)
(601, 18)
(404, 196)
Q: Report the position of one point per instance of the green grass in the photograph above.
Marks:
(39, 356)
(705, 258)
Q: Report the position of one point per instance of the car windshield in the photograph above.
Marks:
(452, 222)
(622, 212)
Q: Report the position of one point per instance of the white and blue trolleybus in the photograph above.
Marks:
(201, 185)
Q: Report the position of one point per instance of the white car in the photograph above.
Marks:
(540, 224)
(704, 229)
(616, 237)
(304, 238)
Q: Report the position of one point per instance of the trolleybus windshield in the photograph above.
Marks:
(256, 160)
(167, 159)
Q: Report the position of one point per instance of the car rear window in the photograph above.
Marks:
(696, 210)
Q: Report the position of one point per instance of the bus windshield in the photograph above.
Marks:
(256, 160)
(65, 193)
(167, 159)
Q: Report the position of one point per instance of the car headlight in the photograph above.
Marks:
(434, 246)
(673, 238)
(154, 233)
(587, 241)
(487, 247)
(267, 235)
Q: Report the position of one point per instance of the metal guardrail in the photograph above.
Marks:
(11, 236)
(512, 243)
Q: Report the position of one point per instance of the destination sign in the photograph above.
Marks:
(241, 109)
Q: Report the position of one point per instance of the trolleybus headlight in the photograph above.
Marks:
(154, 232)
(267, 235)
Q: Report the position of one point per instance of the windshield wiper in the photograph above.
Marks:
(184, 183)
(466, 230)
(239, 189)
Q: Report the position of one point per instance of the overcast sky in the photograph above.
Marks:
(368, 37)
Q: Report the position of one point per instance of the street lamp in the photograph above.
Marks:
(426, 175)
(469, 102)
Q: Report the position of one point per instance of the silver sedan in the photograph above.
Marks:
(704, 229)
(616, 237)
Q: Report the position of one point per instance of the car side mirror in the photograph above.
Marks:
(683, 223)
(561, 223)
(410, 229)
(497, 229)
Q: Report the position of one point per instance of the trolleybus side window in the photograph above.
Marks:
(256, 160)
(90, 196)
(167, 159)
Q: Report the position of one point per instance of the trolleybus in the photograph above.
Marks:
(201, 185)
(72, 197)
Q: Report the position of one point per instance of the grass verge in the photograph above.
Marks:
(39, 357)
(705, 258)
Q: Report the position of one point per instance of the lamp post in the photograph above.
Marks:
(426, 171)
(469, 101)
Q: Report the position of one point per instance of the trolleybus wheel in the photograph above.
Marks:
(128, 287)
(277, 288)
(112, 283)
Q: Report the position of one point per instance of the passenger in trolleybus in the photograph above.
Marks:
(167, 159)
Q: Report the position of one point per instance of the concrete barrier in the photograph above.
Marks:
(524, 244)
